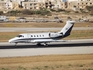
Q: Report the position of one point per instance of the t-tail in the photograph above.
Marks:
(67, 28)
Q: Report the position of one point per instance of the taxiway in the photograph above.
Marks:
(2, 29)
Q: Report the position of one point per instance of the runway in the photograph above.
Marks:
(84, 46)
(2, 29)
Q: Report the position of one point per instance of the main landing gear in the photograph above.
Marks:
(43, 44)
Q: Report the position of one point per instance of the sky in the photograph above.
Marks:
(64, 0)
(72, 0)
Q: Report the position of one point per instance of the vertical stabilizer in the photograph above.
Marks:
(67, 28)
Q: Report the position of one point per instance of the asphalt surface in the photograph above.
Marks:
(2, 29)
(69, 47)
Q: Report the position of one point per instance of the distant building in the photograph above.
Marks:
(37, 4)
(50, 4)
(30, 4)
(2, 5)
(64, 4)
(77, 4)
(9, 5)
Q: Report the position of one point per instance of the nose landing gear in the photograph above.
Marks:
(15, 44)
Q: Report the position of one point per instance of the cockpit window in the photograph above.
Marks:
(20, 36)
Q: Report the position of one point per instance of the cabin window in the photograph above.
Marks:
(43, 35)
(37, 35)
(49, 34)
(34, 36)
(31, 35)
(40, 35)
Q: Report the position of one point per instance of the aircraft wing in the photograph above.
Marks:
(47, 41)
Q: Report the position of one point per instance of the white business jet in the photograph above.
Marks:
(44, 38)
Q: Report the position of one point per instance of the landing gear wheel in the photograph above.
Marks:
(39, 44)
(45, 44)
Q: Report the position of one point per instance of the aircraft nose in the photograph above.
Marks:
(11, 40)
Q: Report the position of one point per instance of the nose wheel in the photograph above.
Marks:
(15, 44)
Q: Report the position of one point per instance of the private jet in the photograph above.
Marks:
(44, 38)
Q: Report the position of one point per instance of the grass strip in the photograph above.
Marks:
(50, 62)
(42, 24)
